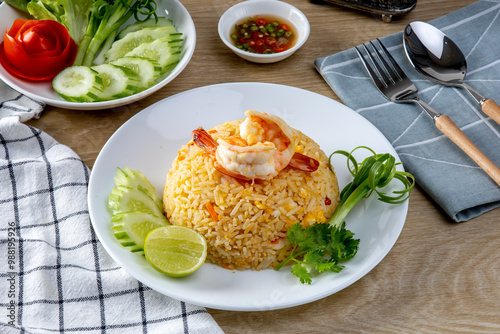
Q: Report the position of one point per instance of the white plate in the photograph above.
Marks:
(149, 142)
(43, 92)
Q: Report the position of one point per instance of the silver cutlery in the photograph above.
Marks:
(393, 83)
(439, 59)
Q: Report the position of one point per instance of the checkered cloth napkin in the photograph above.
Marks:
(449, 176)
(55, 277)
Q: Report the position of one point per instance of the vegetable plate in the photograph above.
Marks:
(44, 91)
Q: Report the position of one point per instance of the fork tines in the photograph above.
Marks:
(382, 67)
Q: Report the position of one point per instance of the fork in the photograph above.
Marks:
(393, 83)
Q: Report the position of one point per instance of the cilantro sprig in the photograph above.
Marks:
(323, 247)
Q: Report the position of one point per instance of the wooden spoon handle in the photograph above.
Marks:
(452, 131)
(492, 109)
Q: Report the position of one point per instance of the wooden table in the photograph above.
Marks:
(439, 277)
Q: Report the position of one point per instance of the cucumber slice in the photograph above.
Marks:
(136, 208)
(162, 22)
(124, 199)
(131, 228)
(117, 82)
(173, 60)
(165, 51)
(136, 38)
(146, 70)
(135, 179)
(77, 84)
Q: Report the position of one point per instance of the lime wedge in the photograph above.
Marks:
(175, 250)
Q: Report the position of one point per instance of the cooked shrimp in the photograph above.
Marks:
(264, 148)
(271, 131)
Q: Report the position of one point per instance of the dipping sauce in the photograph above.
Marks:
(263, 34)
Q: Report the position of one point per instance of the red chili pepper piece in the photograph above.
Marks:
(261, 22)
(270, 41)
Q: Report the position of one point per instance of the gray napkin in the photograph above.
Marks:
(55, 276)
(449, 176)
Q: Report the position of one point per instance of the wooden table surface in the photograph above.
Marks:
(440, 276)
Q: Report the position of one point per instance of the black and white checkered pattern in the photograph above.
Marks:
(55, 277)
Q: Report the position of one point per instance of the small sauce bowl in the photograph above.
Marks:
(274, 8)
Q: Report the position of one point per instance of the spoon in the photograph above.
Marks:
(440, 60)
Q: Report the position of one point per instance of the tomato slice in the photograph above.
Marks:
(16, 26)
(17, 72)
(41, 39)
(37, 50)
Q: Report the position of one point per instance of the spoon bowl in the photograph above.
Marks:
(439, 59)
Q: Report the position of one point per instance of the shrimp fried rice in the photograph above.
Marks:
(245, 223)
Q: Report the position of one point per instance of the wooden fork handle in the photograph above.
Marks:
(492, 109)
(452, 131)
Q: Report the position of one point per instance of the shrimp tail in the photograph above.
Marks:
(303, 162)
(205, 141)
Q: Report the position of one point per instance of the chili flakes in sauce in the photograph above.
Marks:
(264, 35)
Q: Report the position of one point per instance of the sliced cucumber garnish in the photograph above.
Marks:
(136, 209)
(78, 84)
(136, 38)
(165, 51)
(131, 228)
(161, 22)
(124, 199)
(146, 70)
(117, 82)
(135, 179)
(143, 55)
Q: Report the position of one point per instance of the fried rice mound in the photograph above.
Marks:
(245, 223)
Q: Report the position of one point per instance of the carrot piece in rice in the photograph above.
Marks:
(211, 210)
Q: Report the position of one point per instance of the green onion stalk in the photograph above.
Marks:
(105, 19)
(375, 172)
(323, 247)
